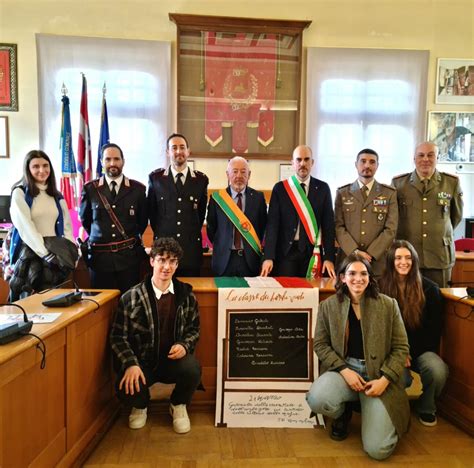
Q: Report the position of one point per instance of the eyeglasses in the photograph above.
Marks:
(164, 261)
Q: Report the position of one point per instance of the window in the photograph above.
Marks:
(137, 77)
(359, 98)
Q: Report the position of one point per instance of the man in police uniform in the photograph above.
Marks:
(115, 256)
(232, 255)
(366, 214)
(177, 199)
(430, 207)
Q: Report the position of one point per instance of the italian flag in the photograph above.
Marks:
(261, 282)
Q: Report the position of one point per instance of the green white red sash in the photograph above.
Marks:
(238, 219)
(308, 221)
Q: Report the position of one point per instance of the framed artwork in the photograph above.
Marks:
(239, 85)
(453, 133)
(286, 171)
(8, 78)
(4, 139)
(455, 81)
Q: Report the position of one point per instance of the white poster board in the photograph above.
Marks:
(265, 358)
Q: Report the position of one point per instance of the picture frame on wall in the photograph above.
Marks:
(453, 134)
(4, 138)
(455, 81)
(8, 78)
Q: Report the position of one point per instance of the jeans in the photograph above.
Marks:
(433, 373)
(328, 395)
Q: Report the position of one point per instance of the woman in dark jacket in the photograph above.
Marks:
(362, 346)
(421, 305)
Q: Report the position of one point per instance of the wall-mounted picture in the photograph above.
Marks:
(4, 143)
(8, 78)
(455, 81)
(453, 133)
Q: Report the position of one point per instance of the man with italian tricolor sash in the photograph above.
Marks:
(236, 220)
(300, 230)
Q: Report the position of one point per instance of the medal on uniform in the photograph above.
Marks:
(245, 227)
(132, 211)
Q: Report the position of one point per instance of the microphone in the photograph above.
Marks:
(11, 331)
(65, 299)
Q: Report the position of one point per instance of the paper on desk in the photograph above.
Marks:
(35, 318)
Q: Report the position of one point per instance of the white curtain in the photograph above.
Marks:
(359, 98)
(137, 76)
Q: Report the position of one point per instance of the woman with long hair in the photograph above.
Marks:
(39, 214)
(421, 305)
(362, 347)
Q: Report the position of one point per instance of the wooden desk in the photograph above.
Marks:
(463, 270)
(206, 350)
(457, 350)
(49, 416)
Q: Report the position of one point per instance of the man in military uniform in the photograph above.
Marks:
(233, 254)
(116, 250)
(286, 242)
(177, 199)
(366, 214)
(430, 207)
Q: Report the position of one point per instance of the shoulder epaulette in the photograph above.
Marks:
(136, 182)
(156, 171)
(199, 173)
(454, 176)
(402, 175)
(343, 186)
(387, 186)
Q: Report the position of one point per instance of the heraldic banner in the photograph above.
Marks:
(240, 74)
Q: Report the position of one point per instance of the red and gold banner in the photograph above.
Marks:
(240, 73)
(5, 92)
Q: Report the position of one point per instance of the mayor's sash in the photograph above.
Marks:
(238, 219)
(308, 221)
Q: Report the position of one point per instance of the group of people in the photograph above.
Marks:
(365, 345)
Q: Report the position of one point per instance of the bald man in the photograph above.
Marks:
(235, 250)
(430, 207)
(288, 248)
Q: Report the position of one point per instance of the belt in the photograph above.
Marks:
(239, 252)
(114, 246)
(361, 361)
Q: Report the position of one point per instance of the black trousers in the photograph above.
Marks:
(184, 372)
(294, 264)
(122, 280)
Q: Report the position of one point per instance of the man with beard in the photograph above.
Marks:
(113, 211)
(236, 220)
(177, 200)
(300, 226)
(366, 214)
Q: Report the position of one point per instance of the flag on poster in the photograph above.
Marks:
(84, 156)
(104, 132)
(68, 164)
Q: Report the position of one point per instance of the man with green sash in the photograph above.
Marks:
(300, 230)
(236, 220)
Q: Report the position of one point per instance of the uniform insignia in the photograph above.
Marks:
(380, 201)
(444, 196)
(380, 217)
(195, 206)
(245, 227)
(191, 198)
(348, 201)
(132, 211)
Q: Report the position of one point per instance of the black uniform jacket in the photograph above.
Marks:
(179, 216)
(130, 207)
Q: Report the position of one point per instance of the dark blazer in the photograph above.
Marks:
(283, 221)
(221, 231)
(130, 208)
(181, 216)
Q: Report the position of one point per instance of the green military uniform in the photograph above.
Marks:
(366, 224)
(427, 219)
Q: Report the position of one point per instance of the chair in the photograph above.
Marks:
(466, 245)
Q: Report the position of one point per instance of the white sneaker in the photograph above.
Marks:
(137, 418)
(181, 423)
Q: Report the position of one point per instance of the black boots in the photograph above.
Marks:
(339, 428)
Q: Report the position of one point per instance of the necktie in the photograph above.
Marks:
(113, 189)
(237, 236)
(303, 186)
(179, 182)
(364, 191)
(426, 183)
